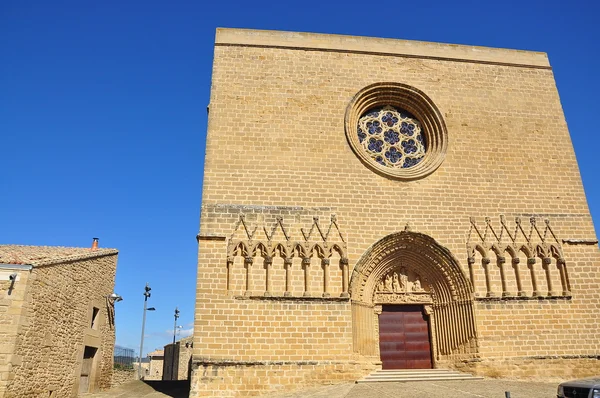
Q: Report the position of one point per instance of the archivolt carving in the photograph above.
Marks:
(415, 257)
(533, 243)
(317, 241)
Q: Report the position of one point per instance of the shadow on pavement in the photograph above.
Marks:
(174, 389)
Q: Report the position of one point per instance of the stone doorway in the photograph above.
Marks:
(86, 369)
(409, 269)
(404, 337)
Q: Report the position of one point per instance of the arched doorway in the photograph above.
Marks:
(411, 302)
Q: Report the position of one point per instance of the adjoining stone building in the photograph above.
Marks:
(57, 316)
(374, 203)
(156, 360)
(177, 359)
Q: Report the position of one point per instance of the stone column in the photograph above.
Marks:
(485, 262)
(344, 263)
(248, 264)
(306, 266)
(515, 264)
(546, 262)
(501, 260)
(563, 276)
(325, 265)
(268, 264)
(471, 262)
(229, 266)
(530, 264)
(287, 264)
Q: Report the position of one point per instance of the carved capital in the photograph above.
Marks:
(531, 261)
(516, 260)
(501, 259)
(268, 260)
(485, 261)
(471, 260)
(546, 261)
(325, 261)
(249, 260)
(287, 261)
(344, 261)
(306, 261)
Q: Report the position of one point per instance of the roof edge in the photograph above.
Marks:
(331, 42)
(76, 257)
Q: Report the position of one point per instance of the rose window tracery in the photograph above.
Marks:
(392, 137)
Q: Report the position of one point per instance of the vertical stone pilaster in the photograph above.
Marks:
(344, 263)
(306, 266)
(287, 264)
(248, 264)
(515, 265)
(501, 260)
(546, 262)
(268, 265)
(563, 276)
(228, 277)
(471, 262)
(531, 265)
(325, 265)
(485, 262)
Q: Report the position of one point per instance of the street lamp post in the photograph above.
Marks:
(175, 325)
(173, 350)
(146, 296)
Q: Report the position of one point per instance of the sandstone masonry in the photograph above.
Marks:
(57, 321)
(315, 242)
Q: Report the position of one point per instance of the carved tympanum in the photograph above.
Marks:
(402, 286)
(398, 281)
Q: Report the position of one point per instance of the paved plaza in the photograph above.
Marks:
(488, 388)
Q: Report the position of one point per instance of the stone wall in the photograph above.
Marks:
(13, 320)
(552, 369)
(58, 325)
(234, 380)
(155, 368)
(278, 154)
(177, 355)
(121, 376)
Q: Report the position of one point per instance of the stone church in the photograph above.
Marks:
(388, 204)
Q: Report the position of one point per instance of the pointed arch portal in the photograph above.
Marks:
(405, 269)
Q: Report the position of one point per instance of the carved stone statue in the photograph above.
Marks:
(396, 284)
(388, 283)
(403, 279)
(416, 287)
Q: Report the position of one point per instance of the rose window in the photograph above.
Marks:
(392, 137)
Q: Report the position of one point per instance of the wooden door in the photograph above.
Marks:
(404, 337)
(86, 369)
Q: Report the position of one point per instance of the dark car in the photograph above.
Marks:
(581, 388)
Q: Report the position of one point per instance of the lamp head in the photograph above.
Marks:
(114, 298)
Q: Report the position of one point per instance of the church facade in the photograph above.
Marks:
(376, 203)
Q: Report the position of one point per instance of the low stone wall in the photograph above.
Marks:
(121, 376)
(253, 379)
(539, 368)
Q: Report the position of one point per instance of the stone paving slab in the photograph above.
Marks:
(487, 388)
(148, 389)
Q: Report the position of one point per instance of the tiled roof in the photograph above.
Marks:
(46, 255)
(156, 353)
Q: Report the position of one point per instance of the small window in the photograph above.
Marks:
(95, 312)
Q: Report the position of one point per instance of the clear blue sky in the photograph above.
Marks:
(103, 116)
